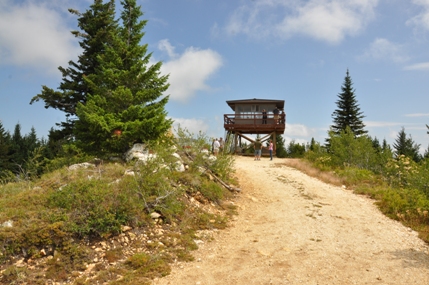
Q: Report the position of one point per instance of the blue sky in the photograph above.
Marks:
(293, 50)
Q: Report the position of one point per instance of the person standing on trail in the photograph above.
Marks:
(221, 144)
(258, 149)
(213, 146)
(216, 146)
(270, 148)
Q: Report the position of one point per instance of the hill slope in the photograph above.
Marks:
(294, 229)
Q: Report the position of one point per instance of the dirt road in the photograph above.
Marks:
(294, 229)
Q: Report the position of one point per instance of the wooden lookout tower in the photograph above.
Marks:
(248, 118)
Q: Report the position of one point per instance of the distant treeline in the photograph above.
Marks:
(25, 156)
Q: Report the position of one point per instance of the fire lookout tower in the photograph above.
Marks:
(248, 118)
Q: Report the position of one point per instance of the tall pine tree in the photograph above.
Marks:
(348, 113)
(96, 26)
(127, 104)
(4, 149)
(404, 145)
(17, 150)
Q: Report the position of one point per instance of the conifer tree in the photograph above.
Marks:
(426, 153)
(281, 151)
(404, 145)
(30, 142)
(348, 113)
(385, 146)
(128, 105)
(295, 150)
(312, 144)
(376, 144)
(4, 149)
(96, 26)
(17, 150)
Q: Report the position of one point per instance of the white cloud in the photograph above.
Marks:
(380, 124)
(383, 49)
(297, 130)
(189, 71)
(165, 45)
(393, 134)
(194, 126)
(288, 140)
(417, 115)
(326, 20)
(422, 19)
(34, 35)
(418, 66)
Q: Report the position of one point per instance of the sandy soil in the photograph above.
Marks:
(294, 229)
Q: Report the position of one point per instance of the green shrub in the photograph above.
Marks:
(318, 156)
(295, 150)
(347, 150)
(212, 191)
(401, 172)
(405, 204)
(148, 265)
(355, 175)
(93, 207)
(69, 154)
(14, 275)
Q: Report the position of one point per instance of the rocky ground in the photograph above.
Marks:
(294, 229)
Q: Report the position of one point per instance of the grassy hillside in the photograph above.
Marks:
(115, 222)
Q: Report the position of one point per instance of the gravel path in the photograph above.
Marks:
(294, 229)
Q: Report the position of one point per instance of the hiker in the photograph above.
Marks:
(216, 146)
(221, 144)
(264, 117)
(258, 149)
(276, 115)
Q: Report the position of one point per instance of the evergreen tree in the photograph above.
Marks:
(376, 144)
(404, 145)
(426, 153)
(348, 113)
(4, 149)
(30, 142)
(34, 154)
(17, 150)
(127, 106)
(385, 146)
(96, 26)
(281, 151)
(312, 144)
(295, 150)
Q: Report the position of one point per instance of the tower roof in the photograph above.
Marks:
(278, 103)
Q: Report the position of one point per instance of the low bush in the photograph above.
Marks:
(354, 176)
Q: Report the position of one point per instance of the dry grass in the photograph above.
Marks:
(307, 168)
